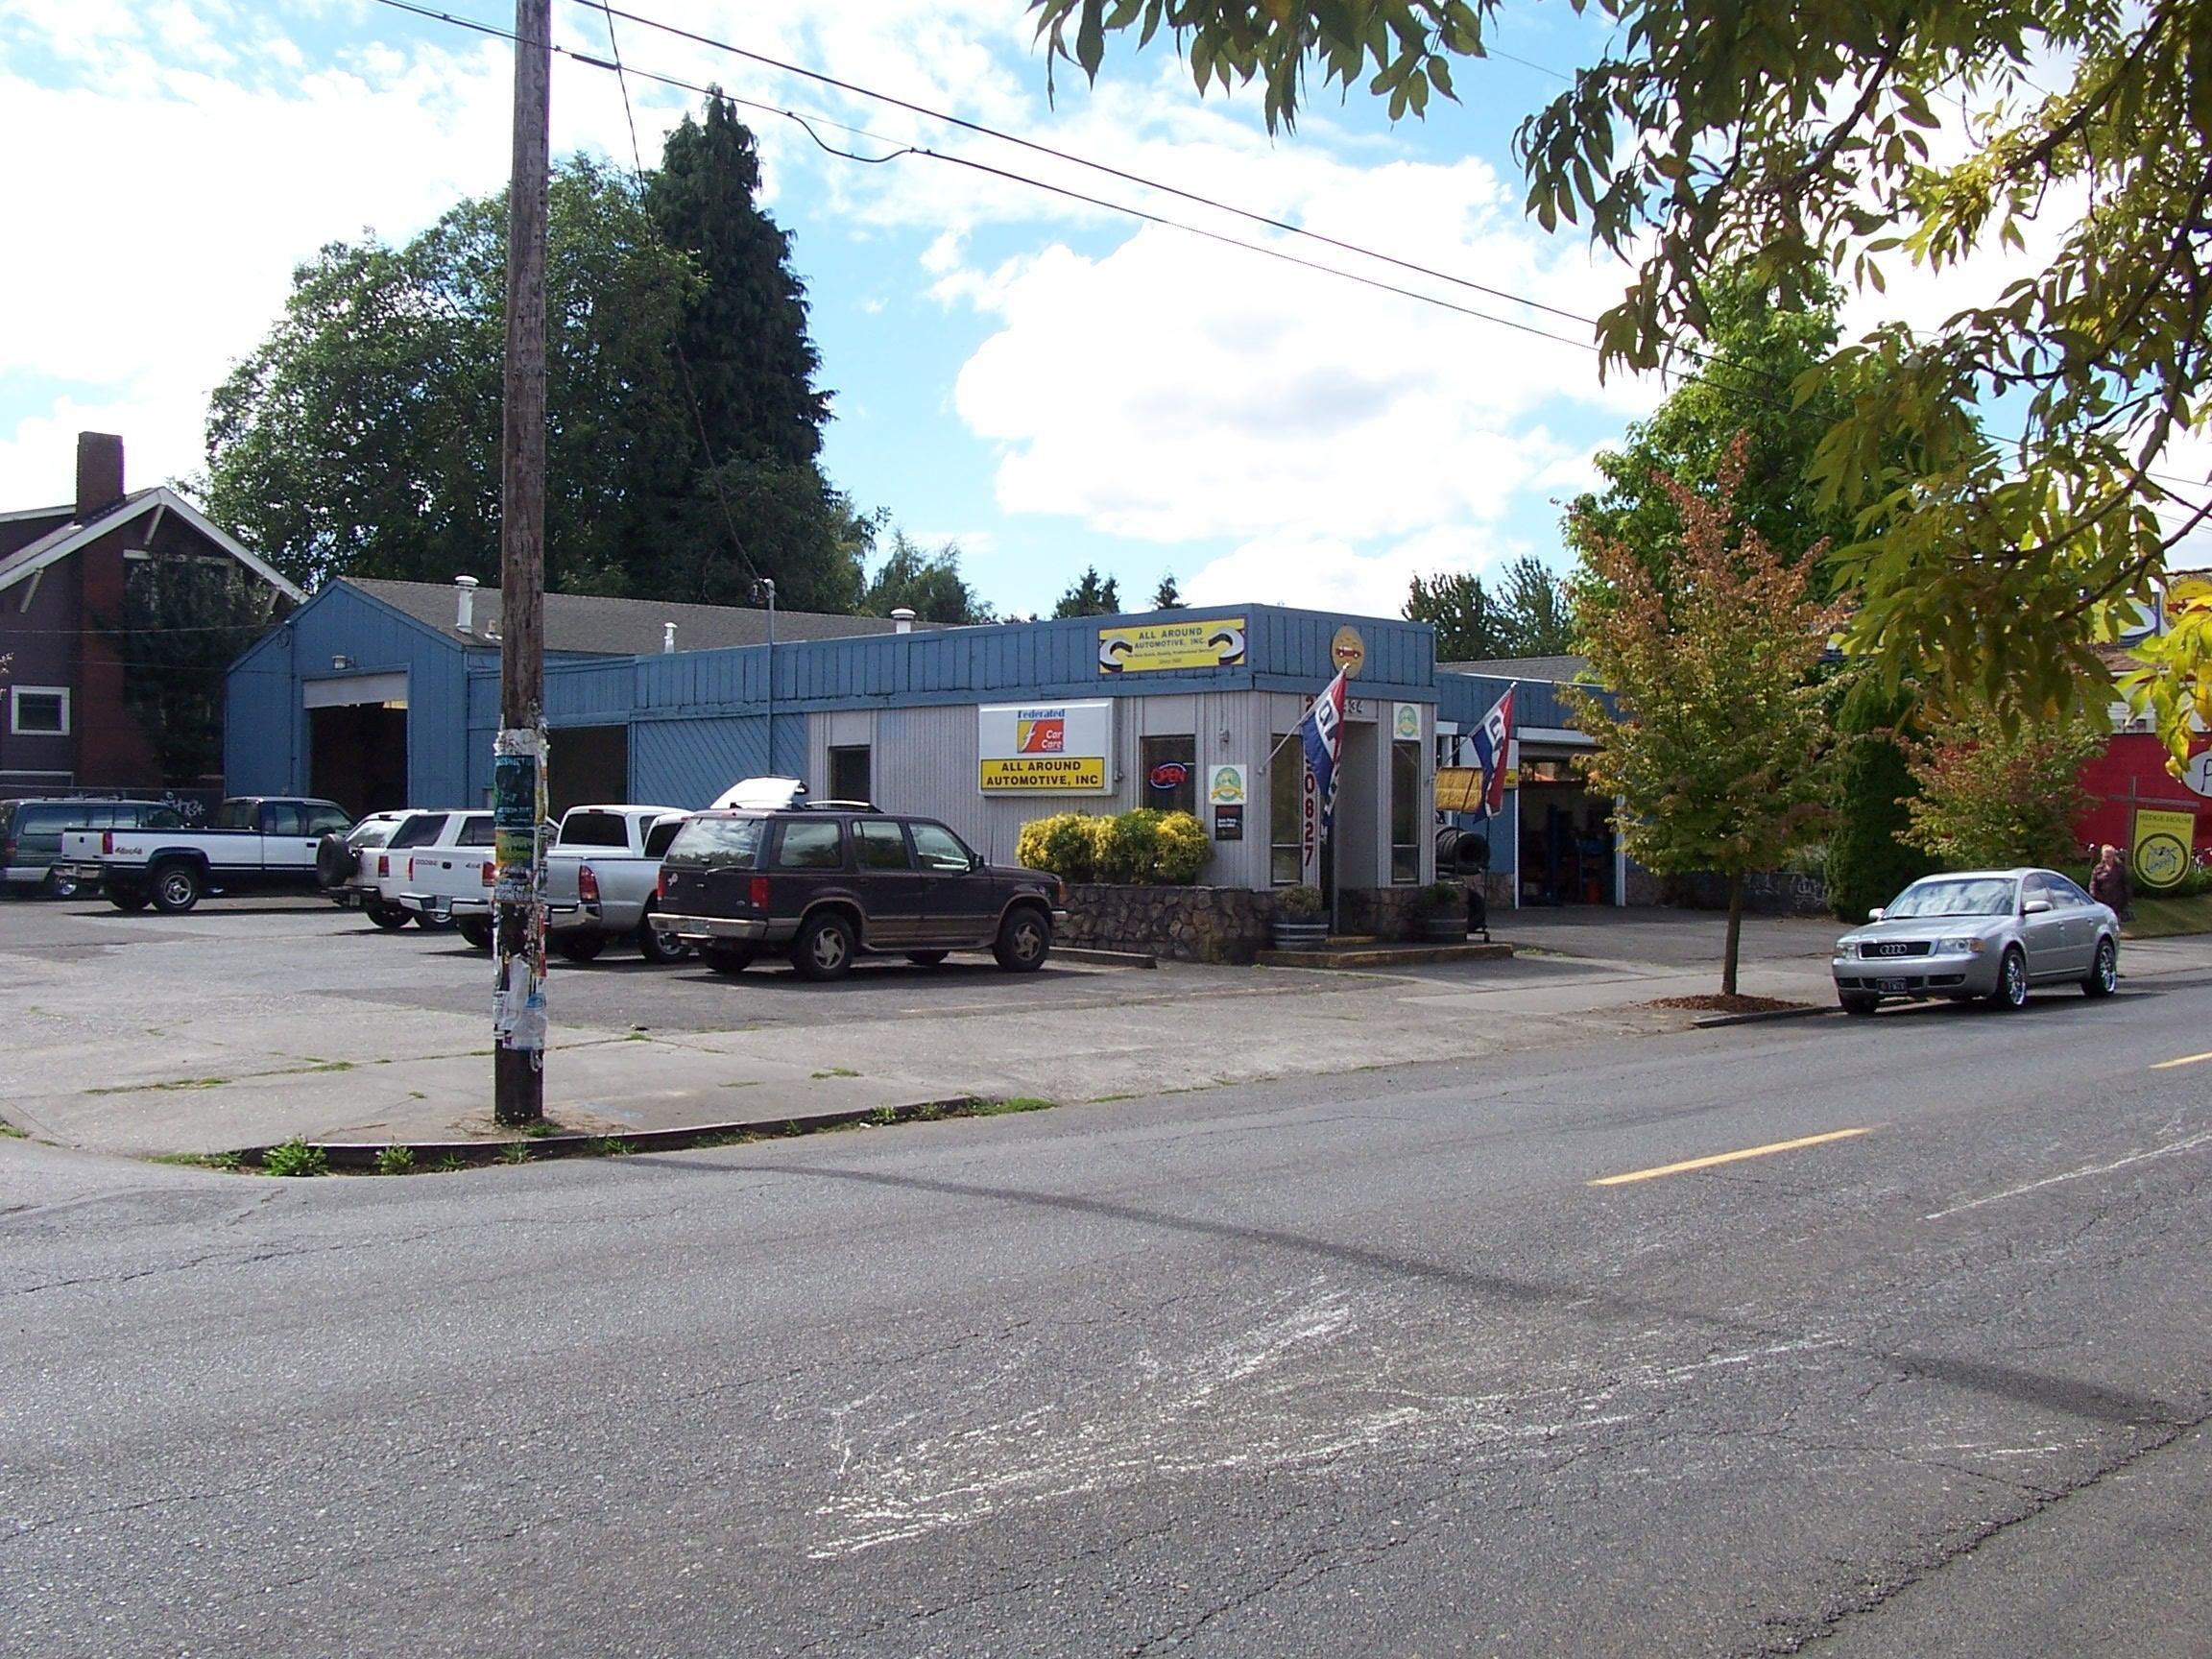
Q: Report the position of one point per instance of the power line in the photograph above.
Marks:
(1703, 359)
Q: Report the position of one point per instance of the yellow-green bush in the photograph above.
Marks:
(1064, 843)
(1144, 845)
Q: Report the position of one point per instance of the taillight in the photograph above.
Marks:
(587, 884)
(383, 864)
(759, 892)
(660, 885)
(410, 869)
(108, 842)
(487, 865)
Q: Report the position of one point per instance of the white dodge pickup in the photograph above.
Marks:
(602, 875)
(254, 843)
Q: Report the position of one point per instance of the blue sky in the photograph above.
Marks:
(1050, 384)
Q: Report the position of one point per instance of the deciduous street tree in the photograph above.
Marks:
(1999, 793)
(183, 623)
(2006, 468)
(1718, 747)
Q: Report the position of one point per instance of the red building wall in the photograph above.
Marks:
(2132, 773)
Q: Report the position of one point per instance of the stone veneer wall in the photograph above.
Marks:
(1182, 923)
(1211, 924)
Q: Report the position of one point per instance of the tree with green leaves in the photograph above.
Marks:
(1755, 352)
(361, 435)
(928, 584)
(1995, 793)
(1168, 597)
(2005, 469)
(1528, 613)
(1090, 595)
(1719, 744)
(1869, 860)
(185, 622)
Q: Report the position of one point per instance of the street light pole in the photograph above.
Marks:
(519, 757)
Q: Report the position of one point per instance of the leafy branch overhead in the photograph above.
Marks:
(2008, 473)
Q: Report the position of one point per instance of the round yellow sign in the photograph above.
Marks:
(1348, 651)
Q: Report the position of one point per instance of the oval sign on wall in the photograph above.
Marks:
(1348, 651)
(1170, 775)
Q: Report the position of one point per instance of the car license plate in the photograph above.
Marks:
(1889, 984)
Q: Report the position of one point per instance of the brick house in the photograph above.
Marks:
(63, 721)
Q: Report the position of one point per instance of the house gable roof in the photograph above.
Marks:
(592, 625)
(65, 540)
(1560, 670)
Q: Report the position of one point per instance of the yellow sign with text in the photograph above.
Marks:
(2163, 843)
(1042, 774)
(1211, 642)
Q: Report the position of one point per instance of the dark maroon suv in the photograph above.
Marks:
(822, 884)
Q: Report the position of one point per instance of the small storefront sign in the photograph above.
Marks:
(1405, 722)
(1210, 642)
(2163, 842)
(1225, 786)
(1044, 749)
(1228, 823)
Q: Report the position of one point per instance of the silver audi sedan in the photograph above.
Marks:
(1989, 933)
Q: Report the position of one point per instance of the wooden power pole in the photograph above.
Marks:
(519, 1021)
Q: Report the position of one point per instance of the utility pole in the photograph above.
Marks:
(519, 753)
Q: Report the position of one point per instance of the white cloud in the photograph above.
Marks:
(1328, 573)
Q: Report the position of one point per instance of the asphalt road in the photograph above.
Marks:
(1347, 1366)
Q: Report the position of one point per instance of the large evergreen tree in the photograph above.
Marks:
(362, 436)
(1090, 595)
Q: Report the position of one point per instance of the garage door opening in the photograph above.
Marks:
(1566, 842)
(357, 755)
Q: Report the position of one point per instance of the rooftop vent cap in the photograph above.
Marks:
(903, 620)
(465, 603)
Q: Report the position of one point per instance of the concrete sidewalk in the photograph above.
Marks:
(214, 1032)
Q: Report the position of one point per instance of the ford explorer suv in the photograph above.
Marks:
(822, 883)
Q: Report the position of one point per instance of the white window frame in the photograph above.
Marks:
(15, 696)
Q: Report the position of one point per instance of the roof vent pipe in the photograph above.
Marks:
(465, 603)
(667, 637)
(903, 620)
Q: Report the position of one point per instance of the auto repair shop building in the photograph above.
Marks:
(382, 694)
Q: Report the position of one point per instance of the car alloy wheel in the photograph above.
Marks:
(175, 889)
(1025, 940)
(2011, 982)
(2105, 973)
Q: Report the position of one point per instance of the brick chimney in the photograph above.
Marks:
(99, 472)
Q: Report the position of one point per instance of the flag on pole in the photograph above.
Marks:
(1493, 750)
(1322, 733)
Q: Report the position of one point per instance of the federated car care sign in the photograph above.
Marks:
(1209, 642)
(1044, 749)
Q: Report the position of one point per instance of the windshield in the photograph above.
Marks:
(1948, 896)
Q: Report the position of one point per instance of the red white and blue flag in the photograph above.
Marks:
(1494, 750)
(1322, 732)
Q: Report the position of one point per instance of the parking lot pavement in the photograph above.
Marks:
(250, 1022)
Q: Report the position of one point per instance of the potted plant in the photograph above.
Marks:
(1442, 907)
(1301, 920)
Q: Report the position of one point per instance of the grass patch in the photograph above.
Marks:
(295, 1157)
(614, 1148)
(160, 1088)
(453, 1163)
(836, 1071)
(1001, 1108)
(2169, 918)
(515, 1152)
(224, 1161)
(10, 1132)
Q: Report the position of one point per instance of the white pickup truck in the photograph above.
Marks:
(254, 843)
(602, 877)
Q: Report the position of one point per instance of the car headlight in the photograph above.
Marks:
(1961, 947)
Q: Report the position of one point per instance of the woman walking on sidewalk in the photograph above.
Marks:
(2109, 882)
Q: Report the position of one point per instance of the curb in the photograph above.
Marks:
(1711, 1020)
(1095, 959)
(363, 1154)
(1382, 957)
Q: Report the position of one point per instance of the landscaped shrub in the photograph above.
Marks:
(1065, 844)
(1144, 845)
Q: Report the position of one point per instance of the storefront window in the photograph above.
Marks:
(1170, 773)
(1286, 775)
(1405, 812)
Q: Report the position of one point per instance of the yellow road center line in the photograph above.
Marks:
(1731, 1157)
(2185, 1060)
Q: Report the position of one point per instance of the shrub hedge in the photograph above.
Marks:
(1141, 846)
